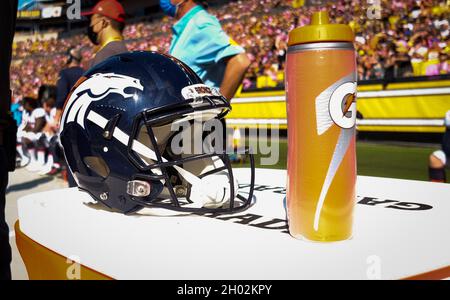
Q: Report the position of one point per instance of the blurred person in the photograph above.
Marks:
(437, 61)
(8, 128)
(199, 41)
(54, 158)
(444, 28)
(433, 53)
(39, 119)
(29, 104)
(16, 112)
(420, 49)
(31, 134)
(432, 68)
(280, 49)
(49, 139)
(440, 160)
(443, 66)
(388, 61)
(107, 22)
(46, 102)
(373, 68)
(67, 79)
(403, 65)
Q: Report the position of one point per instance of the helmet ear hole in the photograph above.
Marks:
(97, 165)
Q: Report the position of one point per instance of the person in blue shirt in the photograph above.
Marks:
(199, 41)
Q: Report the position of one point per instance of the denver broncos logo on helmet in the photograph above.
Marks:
(96, 88)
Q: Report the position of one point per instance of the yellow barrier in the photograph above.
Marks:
(424, 100)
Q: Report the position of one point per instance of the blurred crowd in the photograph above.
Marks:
(402, 38)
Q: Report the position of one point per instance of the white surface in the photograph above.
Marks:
(387, 243)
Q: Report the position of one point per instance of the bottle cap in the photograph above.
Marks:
(320, 30)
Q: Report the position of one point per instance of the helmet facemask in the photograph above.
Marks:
(194, 181)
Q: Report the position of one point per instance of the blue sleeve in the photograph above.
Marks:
(62, 90)
(212, 43)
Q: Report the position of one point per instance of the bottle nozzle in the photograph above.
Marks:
(320, 18)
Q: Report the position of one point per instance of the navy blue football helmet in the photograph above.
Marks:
(119, 127)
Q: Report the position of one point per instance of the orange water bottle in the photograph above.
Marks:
(321, 111)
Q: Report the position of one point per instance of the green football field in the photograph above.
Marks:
(404, 161)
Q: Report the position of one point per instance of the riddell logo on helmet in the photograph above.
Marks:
(196, 94)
